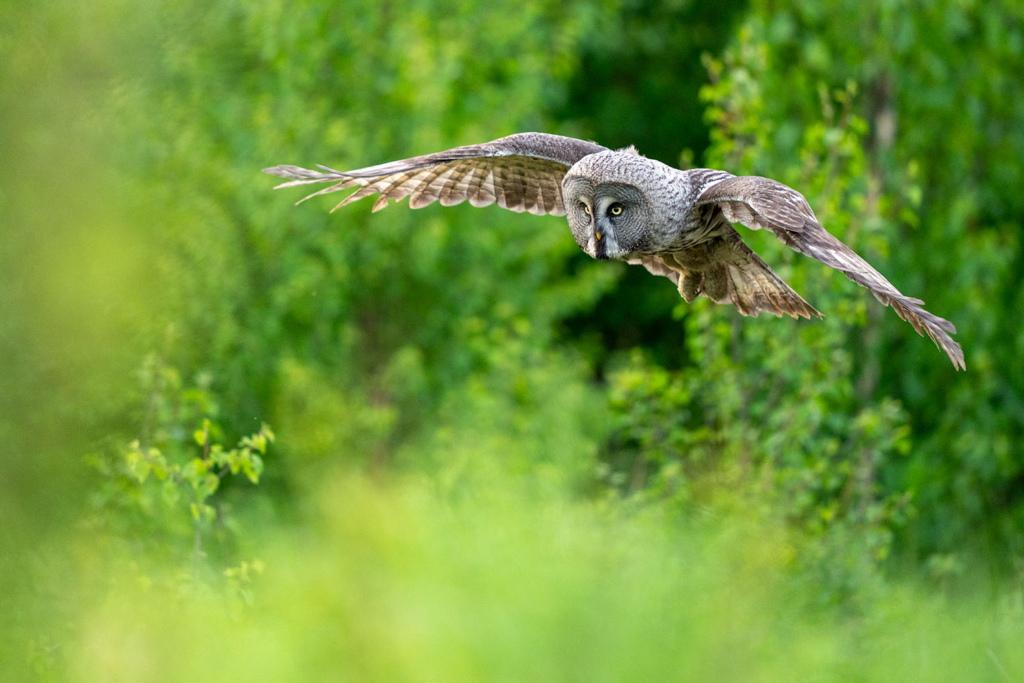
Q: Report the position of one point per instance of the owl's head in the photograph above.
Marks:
(608, 210)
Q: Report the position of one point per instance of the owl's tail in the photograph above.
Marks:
(735, 275)
(755, 287)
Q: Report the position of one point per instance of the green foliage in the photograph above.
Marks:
(200, 477)
(765, 409)
(401, 582)
(499, 458)
(947, 136)
(365, 327)
(164, 493)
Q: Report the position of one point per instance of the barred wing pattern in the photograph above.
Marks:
(764, 203)
(521, 172)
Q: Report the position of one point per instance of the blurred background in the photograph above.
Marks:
(245, 438)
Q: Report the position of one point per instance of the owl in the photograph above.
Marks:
(621, 205)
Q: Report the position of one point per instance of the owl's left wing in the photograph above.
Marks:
(764, 203)
(521, 172)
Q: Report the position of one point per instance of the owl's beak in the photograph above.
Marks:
(597, 236)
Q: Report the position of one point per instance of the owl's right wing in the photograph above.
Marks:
(765, 203)
(521, 172)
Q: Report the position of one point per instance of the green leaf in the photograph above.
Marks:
(141, 470)
(210, 484)
(253, 468)
(218, 455)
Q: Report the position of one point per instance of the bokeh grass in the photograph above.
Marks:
(399, 581)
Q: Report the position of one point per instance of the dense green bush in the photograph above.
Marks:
(944, 151)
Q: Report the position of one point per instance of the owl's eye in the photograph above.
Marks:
(586, 209)
(615, 209)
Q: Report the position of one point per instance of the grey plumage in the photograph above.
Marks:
(621, 205)
(520, 172)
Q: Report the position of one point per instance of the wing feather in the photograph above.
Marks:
(450, 193)
(521, 172)
(656, 266)
(764, 203)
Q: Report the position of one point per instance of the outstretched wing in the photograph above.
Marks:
(764, 203)
(521, 172)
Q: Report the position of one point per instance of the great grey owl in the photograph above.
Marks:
(621, 205)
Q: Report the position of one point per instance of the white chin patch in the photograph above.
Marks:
(605, 248)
